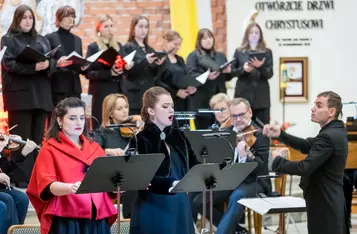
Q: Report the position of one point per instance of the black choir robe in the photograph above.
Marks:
(139, 78)
(65, 82)
(321, 176)
(101, 82)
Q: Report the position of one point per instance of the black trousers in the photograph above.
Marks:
(31, 125)
(263, 114)
(349, 180)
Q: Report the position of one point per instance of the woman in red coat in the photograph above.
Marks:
(59, 168)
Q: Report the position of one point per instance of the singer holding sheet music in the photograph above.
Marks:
(25, 85)
(156, 210)
(13, 203)
(172, 70)
(65, 81)
(103, 79)
(141, 77)
(254, 72)
(216, 82)
(61, 166)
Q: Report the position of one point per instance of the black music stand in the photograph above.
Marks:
(120, 173)
(212, 149)
(195, 180)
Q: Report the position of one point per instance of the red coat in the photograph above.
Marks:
(65, 162)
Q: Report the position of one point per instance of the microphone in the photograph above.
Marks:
(186, 113)
(209, 110)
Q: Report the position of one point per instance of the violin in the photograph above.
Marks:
(248, 135)
(15, 141)
(131, 131)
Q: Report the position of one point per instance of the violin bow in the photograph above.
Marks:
(10, 128)
(242, 134)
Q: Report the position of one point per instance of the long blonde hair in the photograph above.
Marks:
(112, 42)
(108, 107)
(245, 43)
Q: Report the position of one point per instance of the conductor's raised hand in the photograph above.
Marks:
(73, 187)
(271, 130)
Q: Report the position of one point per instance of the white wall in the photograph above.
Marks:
(332, 55)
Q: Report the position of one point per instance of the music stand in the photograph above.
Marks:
(195, 179)
(211, 150)
(99, 177)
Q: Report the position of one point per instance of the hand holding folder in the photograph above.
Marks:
(29, 55)
(188, 80)
(106, 57)
(208, 63)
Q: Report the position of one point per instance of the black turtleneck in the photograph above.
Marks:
(28, 37)
(67, 40)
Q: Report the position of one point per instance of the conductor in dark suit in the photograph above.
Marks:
(323, 169)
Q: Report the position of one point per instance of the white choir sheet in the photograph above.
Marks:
(263, 205)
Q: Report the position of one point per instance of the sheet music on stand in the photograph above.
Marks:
(267, 205)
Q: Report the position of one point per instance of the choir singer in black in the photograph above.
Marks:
(253, 65)
(322, 170)
(65, 81)
(25, 85)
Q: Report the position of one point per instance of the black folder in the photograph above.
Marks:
(185, 81)
(107, 58)
(223, 66)
(258, 55)
(29, 55)
(161, 54)
(208, 63)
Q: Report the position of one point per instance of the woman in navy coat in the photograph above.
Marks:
(156, 210)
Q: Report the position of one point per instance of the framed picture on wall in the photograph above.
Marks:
(293, 79)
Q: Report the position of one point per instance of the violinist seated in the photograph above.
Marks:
(13, 203)
(11, 168)
(221, 101)
(115, 111)
(115, 141)
(252, 146)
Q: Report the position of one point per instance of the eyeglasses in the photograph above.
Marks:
(240, 116)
